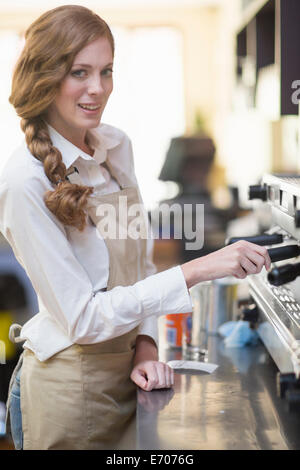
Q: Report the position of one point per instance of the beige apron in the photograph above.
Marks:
(82, 397)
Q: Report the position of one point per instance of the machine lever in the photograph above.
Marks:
(283, 274)
(284, 252)
(265, 239)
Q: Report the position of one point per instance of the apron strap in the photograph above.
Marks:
(73, 170)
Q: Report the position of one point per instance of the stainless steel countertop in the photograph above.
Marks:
(235, 407)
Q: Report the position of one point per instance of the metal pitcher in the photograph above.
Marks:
(223, 303)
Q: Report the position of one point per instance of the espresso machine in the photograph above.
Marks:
(274, 305)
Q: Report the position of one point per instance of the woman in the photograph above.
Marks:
(94, 338)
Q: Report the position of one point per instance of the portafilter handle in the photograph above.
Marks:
(284, 252)
(284, 274)
(265, 239)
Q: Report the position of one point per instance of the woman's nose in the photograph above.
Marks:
(95, 86)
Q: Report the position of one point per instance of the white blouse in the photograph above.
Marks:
(68, 268)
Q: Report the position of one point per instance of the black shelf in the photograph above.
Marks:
(271, 35)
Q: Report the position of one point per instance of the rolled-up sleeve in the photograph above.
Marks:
(40, 244)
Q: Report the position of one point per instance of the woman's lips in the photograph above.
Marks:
(89, 108)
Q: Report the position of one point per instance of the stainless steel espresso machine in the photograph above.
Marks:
(275, 295)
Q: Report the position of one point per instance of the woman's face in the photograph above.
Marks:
(84, 92)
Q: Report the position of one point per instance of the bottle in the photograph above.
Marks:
(177, 325)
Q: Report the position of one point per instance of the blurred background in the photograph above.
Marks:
(177, 72)
(203, 88)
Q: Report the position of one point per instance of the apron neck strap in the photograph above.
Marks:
(108, 167)
(73, 170)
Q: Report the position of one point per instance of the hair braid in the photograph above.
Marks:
(67, 201)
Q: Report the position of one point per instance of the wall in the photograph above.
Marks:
(198, 26)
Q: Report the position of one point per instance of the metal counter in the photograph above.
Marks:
(235, 407)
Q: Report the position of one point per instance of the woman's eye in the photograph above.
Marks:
(83, 73)
(78, 73)
(107, 72)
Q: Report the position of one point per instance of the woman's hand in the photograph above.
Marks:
(148, 372)
(238, 260)
(149, 375)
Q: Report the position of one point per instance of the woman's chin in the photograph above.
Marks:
(90, 123)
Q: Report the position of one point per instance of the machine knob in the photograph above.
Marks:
(258, 192)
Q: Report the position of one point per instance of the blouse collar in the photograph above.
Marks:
(101, 139)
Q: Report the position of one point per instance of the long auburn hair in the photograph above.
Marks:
(51, 44)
